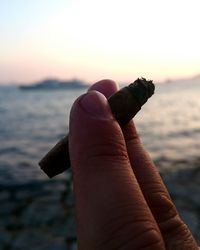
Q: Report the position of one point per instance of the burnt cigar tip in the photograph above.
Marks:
(142, 89)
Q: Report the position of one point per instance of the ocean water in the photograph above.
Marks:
(31, 122)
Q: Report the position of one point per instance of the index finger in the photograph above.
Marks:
(175, 233)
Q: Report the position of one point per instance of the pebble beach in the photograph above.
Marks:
(40, 215)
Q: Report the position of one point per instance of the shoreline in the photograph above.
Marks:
(40, 215)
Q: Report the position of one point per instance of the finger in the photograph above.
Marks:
(110, 208)
(174, 231)
(107, 87)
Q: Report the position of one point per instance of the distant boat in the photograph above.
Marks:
(54, 84)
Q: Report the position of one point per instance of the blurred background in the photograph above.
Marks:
(50, 53)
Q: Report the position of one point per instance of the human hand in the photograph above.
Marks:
(121, 201)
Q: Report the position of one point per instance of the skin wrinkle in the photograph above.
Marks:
(118, 232)
(173, 225)
(125, 213)
(179, 243)
(153, 246)
(113, 159)
(148, 238)
(131, 138)
(159, 200)
(140, 157)
(128, 243)
(123, 219)
(116, 177)
(133, 224)
(125, 175)
(155, 195)
(102, 150)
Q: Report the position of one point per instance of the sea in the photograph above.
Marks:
(32, 121)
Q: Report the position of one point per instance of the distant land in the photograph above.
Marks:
(194, 79)
(54, 84)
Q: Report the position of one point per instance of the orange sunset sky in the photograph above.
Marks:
(91, 40)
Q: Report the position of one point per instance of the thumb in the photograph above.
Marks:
(110, 207)
(90, 115)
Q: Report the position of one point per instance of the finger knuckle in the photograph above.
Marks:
(161, 206)
(109, 151)
(149, 240)
(128, 233)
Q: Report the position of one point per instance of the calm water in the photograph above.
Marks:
(33, 121)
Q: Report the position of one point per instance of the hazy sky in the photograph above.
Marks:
(90, 39)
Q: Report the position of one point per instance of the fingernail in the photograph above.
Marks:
(95, 104)
(106, 87)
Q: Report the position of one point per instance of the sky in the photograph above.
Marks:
(91, 40)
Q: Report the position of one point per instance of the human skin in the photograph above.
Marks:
(121, 200)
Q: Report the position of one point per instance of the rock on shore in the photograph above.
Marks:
(37, 215)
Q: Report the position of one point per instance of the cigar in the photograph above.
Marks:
(124, 105)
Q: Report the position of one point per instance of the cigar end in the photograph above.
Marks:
(142, 89)
(47, 168)
(57, 159)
